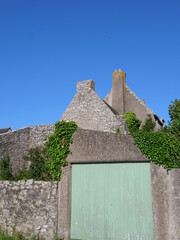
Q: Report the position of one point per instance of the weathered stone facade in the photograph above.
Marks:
(29, 207)
(17, 143)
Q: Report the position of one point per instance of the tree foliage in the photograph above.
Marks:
(174, 113)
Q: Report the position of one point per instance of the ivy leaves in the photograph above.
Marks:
(57, 147)
(163, 146)
(46, 163)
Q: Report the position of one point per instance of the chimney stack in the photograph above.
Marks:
(118, 90)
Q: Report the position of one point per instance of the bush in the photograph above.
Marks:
(149, 124)
(38, 169)
(174, 113)
(133, 122)
(5, 169)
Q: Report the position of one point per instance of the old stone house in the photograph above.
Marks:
(91, 112)
(108, 190)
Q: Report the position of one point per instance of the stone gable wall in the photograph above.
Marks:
(131, 104)
(134, 104)
(89, 111)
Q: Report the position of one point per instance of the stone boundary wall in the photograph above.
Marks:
(31, 207)
(17, 143)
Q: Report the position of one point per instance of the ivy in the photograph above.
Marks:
(57, 147)
(162, 147)
(46, 163)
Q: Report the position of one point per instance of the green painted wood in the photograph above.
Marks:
(111, 201)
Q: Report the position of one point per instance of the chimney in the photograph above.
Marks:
(118, 90)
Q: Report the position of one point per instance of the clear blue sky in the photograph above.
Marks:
(47, 46)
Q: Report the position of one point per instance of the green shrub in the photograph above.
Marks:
(38, 169)
(133, 122)
(149, 124)
(5, 169)
(174, 113)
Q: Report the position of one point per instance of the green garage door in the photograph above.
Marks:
(111, 201)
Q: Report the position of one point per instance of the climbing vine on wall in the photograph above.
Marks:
(57, 147)
(162, 147)
(46, 163)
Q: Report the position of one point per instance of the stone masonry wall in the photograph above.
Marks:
(17, 143)
(31, 207)
(38, 135)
